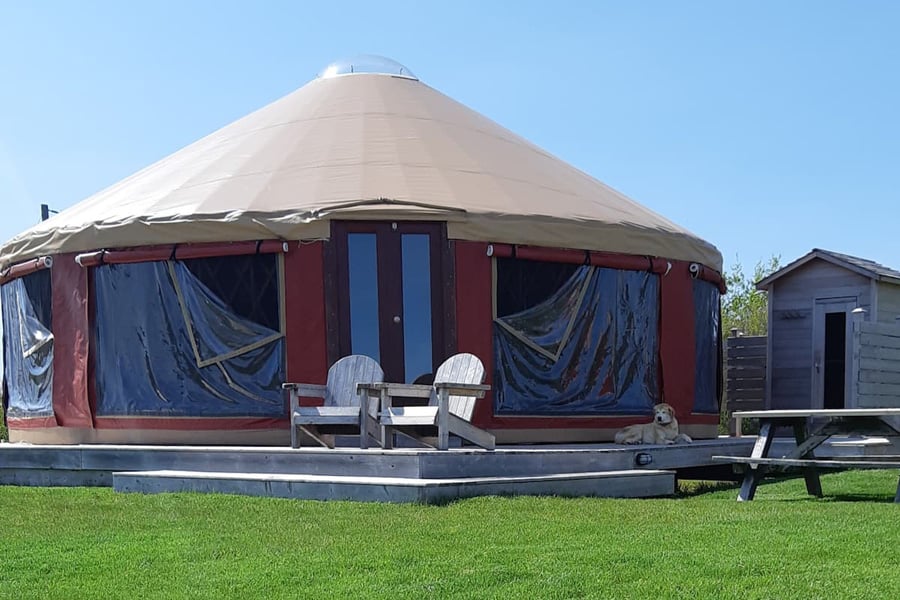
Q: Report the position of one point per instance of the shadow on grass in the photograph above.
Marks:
(860, 498)
(832, 498)
(689, 488)
(838, 480)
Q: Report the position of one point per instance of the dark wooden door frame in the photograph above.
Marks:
(390, 290)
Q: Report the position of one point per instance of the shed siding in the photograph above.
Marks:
(791, 328)
(820, 279)
(888, 303)
(790, 370)
(877, 348)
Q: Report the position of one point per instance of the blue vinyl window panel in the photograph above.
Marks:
(167, 345)
(590, 347)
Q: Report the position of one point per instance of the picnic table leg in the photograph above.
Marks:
(810, 474)
(755, 471)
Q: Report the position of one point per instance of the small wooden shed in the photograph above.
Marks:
(834, 333)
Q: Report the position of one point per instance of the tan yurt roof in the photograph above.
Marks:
(358, 145)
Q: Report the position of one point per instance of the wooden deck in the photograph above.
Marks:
(373, 474)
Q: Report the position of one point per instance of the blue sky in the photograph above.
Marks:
(767, 128)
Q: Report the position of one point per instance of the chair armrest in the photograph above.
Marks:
(408, 390)
(303, 390)
(474, 390)
(445, 389)
(306, 390)
(311, 390)
(386, 392)
(372, 390)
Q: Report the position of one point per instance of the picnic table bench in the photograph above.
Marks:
(826, 423)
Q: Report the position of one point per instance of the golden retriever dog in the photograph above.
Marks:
(662, 430)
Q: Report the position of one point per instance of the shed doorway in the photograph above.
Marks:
(831, 353)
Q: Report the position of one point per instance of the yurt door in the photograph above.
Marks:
(391, 287)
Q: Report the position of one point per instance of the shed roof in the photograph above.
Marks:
(862, 266)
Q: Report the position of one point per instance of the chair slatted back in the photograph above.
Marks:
(460, 368)
(340, 389)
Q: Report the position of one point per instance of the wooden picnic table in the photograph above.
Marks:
(884, 422)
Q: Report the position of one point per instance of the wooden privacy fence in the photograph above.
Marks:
(876, 356)
(745, 371)
(874, 371)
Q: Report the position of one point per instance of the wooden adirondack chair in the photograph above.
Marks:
(341, 412)
(457, 384)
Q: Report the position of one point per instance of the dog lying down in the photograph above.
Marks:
(663, 429)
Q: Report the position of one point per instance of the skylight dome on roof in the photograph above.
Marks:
(366, 63)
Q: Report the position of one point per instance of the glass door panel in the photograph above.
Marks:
(362, 264)
(417, 342)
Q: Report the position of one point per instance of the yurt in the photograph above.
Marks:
(364, 213)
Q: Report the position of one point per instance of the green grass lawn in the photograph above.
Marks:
(94, 543)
